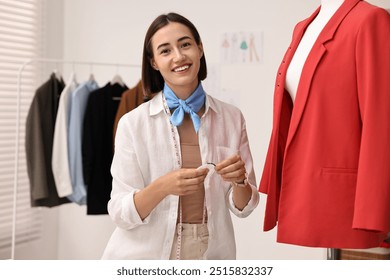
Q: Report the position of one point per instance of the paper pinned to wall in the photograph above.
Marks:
(242, 47)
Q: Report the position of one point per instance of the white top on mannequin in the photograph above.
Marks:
(328, 8)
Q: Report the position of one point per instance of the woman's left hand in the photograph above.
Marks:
(232, 169)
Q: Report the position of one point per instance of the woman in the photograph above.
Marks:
(164, 206)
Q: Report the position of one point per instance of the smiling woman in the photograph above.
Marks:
(178, 59)
(166, 201)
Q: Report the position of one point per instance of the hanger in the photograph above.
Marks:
(72, 78)
(117, 79)
(57, 74)
(91, 76)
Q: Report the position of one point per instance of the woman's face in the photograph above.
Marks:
(177, 56)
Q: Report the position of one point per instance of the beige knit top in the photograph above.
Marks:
(192, 205)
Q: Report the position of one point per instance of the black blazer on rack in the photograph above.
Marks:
(97, 146)
(39, 143)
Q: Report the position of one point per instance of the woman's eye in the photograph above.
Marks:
(186, 44)
(164, 51)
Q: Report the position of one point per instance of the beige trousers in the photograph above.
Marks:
(194, 242)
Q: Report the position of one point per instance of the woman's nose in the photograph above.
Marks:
(179, 55)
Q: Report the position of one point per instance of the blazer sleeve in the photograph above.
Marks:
(35, 150)
(372, 200)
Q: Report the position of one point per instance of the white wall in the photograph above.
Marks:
(113, 31)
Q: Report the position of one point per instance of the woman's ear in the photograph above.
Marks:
(153, 64)
(200, 46)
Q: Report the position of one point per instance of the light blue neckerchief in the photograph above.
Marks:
(191, 105)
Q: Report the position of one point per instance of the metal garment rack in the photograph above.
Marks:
(333, 254)
(18, 98)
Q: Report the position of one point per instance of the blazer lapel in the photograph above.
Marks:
(282, 71)
(317, 52)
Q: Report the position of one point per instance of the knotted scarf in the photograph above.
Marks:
(190, 106)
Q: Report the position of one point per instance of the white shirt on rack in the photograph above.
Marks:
(144, 151)
(60, 159)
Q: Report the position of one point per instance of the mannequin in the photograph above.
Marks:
(326, 172)
(328, 8)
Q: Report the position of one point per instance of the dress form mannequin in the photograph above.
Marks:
(328, 8)
(325, 172)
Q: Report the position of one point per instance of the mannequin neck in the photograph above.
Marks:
(329, 7)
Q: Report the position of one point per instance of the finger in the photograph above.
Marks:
(198, 180)
(236, 166)
(229, 161)
(201, 172)
(193, 173)
(234, 176)
(191, 189)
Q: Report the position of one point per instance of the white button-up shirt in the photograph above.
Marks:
(144, 151)
(60, 157)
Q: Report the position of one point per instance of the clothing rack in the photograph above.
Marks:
(18, 98)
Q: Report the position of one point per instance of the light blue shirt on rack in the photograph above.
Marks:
(79, 100)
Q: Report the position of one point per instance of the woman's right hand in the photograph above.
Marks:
(178, 182)
(183, 181)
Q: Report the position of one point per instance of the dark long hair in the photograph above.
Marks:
(152, 80)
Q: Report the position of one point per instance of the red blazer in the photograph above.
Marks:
(327, 171)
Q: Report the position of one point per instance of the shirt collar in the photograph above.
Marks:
(156, 104)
